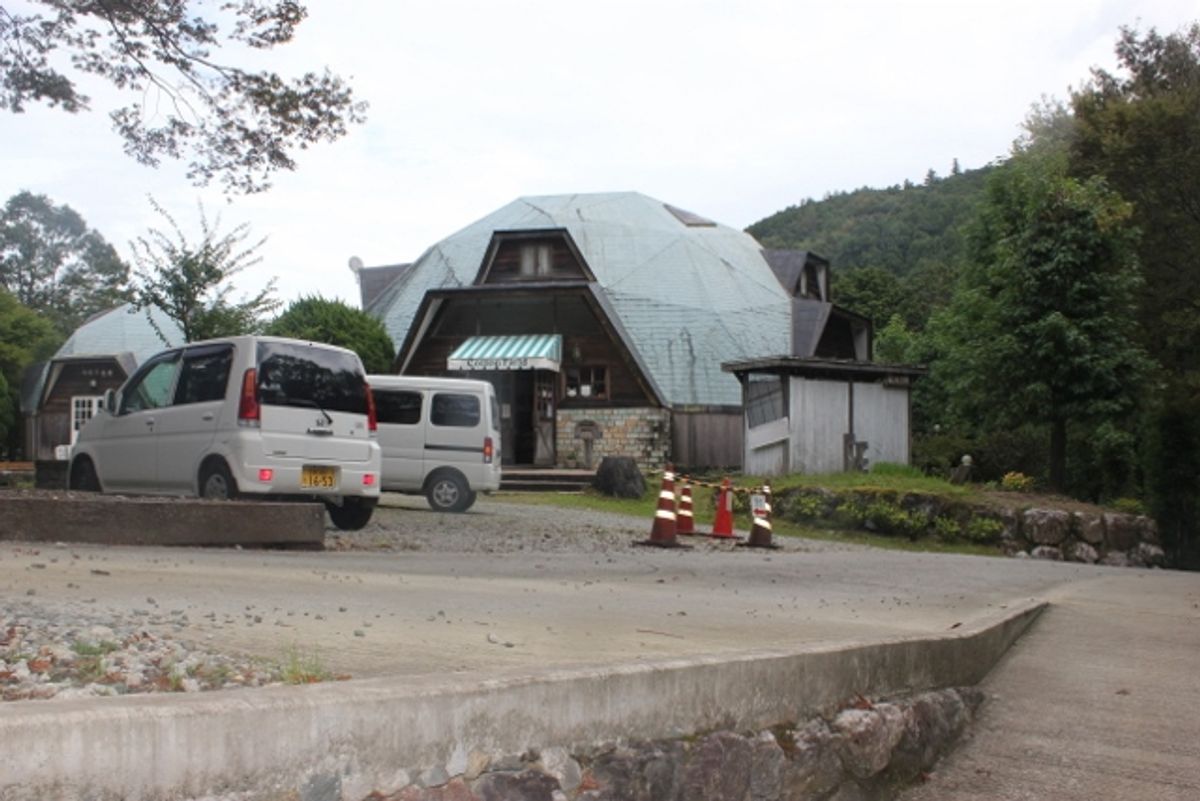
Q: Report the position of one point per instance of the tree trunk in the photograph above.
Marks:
(1058, 454)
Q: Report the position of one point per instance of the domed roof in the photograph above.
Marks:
(689, 293)
(121, 330)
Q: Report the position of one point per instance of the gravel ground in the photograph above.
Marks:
(44, 654)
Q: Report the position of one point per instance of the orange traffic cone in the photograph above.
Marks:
(760, 531)
(662, 533)
(685, 523)
(723, 520)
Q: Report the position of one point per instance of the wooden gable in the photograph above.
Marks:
(540, 255)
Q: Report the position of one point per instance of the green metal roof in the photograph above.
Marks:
(688, 295)
(520, 352)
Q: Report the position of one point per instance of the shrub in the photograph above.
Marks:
(1129, 506)
(805, 506)
(333, 322)
(1016, 482)
(983, 529)
(888, 518)
(946, 529)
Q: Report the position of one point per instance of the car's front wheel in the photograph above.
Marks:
(352, 514)
(216, 482)
(83, 476)
(449, 492)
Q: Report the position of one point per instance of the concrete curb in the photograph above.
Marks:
(345, 740)
(119, 520)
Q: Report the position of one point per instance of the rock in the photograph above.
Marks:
(1148, 555)
(528, 785)
(641, 772)
(766, 768)
(1046, 526)
(1047, 552)
(1148, 530)
(1080, 552)
(864, 738)
(1115, 559)
(619, 477)
(456, 790)
(433, 777)
(1090, 528)
(812, 768)
(557, 762)
(1121, 531)
(477, 763)
(717, 769)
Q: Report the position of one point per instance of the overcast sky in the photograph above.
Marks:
(733, 110)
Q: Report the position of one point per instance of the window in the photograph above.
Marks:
(765, 399)
(397, 408)
(311, 377)
(457, 411)
(151, 388)
(83, 408)
(587, 383)
(205, 374)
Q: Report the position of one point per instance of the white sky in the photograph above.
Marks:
(733, 110)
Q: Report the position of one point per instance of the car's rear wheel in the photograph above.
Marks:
(352, 514)
(449, 492)
(216, 482)
(83, 476)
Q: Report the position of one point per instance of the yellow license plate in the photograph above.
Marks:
(314, 477)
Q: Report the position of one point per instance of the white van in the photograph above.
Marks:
(247, 415)
(440, 437)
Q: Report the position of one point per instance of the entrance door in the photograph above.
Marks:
(544, 383)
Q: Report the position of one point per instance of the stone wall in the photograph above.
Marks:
(1094, 537)
(864, 750)
(643, 434)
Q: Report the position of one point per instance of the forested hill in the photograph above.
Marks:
(897, 229)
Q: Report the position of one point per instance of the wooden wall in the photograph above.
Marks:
(707, 439)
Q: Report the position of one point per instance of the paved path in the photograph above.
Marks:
(1099, 701)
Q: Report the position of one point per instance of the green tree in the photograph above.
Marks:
(25, 337)
(190, 283)
(1140, 129)
(1041, 330)
(54, 264)
(331, 321)
(235, 123)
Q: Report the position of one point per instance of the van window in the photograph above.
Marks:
(310, 377)
(398, 408)
(151, 389)
(205, 374)
(458, 411)
(495, 412)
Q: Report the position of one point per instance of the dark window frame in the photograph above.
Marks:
(385, 405)
(442, 416)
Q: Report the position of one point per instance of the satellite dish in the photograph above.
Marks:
(356, 264)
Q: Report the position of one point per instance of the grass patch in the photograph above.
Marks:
(93, 649)
(303, 668)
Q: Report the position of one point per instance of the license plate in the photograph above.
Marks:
(314, 477)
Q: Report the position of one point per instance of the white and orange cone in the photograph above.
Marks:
(760, 531)
(662, 533)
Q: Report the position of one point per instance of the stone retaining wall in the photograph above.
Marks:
(867, 750)
(1093, 537)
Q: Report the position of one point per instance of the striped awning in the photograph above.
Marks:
(521, 352)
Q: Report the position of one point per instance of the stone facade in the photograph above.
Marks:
(641, 433)
(866, 750)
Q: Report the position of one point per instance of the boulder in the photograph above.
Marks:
(1046, 526)
(619, 477)
(1121, 531)
(717, 768)
(528, 785)
(1148, 530)
(1090, 528)
(813, 768)
(1148, 555)
(1115, 559)
(865, 737)
(1081, 552)
(1048, 552)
